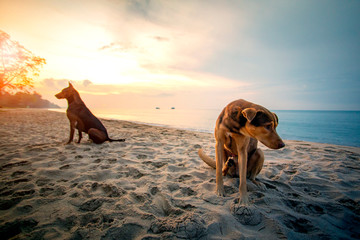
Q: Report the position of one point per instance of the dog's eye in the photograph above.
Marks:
(268, 127)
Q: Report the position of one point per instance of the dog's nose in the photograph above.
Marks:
(281, 145)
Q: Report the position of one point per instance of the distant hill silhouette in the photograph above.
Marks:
(25, 100)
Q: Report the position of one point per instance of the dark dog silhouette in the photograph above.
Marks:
(82, 119)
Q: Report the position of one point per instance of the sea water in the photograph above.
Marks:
(334, 127)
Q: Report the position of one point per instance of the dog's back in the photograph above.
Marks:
(84, 117)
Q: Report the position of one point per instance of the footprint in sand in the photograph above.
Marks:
(14, 164)
(246, 215)
(140, 197)
(9, 203)
(173, 187)
(91, 205)
(18, 173)
(134, 173)
(183, 205)
(11, 229)
(300, 225)
(67, 166)
(187, 226)
(42, 182)
(303, 208)
(66, 223)
(24, 209)
(97, 160)
(187, 191)
(184, 178)
(15, 198)
(112, 191)
(112, 160)
(154, 190)
(17, 181)
(24, 193)
(141, 156)
(126, 231)
(48, 191)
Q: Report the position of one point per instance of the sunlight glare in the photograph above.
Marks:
(10, 55)
(107, 69)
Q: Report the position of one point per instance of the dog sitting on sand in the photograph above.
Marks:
(238, 129)
(82, 119)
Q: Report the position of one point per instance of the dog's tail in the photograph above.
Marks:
(208, 160)
(116, 140)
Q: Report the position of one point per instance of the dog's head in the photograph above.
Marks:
(66, 92)
(261, 124)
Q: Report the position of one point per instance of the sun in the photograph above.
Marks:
(110, 69)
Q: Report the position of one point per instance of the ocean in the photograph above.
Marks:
(333, 127)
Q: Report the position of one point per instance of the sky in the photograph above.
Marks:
(284, 55)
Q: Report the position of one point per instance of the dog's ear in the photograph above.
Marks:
(276, 119)
(70, 85)
(249, 113)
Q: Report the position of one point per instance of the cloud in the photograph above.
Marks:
(51, 85)
(140, 8)
(86, 83)
(118, 47)
(160, 39)
(166, 33)
(108, 46)
(54, 84)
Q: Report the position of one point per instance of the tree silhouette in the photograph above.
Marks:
(25, 100)
(18, 66)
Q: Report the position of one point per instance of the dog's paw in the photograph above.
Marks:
(243, 199)
(220, 191)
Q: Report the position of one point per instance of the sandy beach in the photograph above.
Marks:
(154, 186)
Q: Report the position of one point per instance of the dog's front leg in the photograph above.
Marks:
(72, 130)
(242, 145)
(243, 194)
(220, 156)
(80, 136)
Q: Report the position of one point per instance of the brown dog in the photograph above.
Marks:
(82, 119)
(238, 128)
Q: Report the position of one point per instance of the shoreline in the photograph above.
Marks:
(63, 110)
(154, 186)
